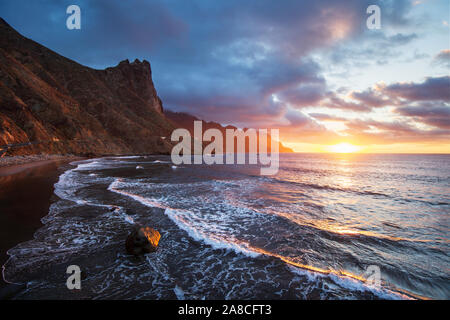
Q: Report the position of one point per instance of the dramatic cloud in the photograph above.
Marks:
(431, 89)
(371, 98)
(309, 94)
(208, 56)
(437, 116)
(257, 63)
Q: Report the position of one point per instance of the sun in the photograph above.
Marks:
(344, 147)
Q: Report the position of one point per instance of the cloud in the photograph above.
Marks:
(333, 101)
(327, 117)
(442, 58)
(369, 48)
(240, 94)
(308, 94)
(371, 98)
(255, 63)
(400, 38)
(433, 88)
(377, 132)
(207, 55)
(437, 116)
(297, 118)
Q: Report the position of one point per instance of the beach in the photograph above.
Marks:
(310, 232)
(26, 184)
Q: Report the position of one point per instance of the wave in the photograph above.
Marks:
(176, 216)
(345, 279)
(330, 188)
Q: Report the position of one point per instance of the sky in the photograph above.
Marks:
(312, 69)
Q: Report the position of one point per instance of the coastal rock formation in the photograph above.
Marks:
(186, 121)
(63, 107)
(142, 240)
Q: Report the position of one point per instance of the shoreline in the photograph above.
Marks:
(13, 169)
(30, 161)
(134, 208)
(27, 184)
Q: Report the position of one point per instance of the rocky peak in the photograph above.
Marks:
(136, 64)
(137, 77)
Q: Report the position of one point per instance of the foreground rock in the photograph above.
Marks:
(142, 240)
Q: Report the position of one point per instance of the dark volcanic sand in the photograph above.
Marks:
(25, 195)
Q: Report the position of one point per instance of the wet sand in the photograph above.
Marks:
(16, 162)
(25, 197)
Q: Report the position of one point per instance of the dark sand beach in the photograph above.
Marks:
(26, 191)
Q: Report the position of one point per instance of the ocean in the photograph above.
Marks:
(312, 231)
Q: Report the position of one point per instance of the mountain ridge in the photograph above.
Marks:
(61, 106)
(186, 121)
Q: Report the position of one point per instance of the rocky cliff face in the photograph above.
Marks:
(64, 107)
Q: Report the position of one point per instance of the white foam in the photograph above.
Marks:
(216, 242)
(350, 283)
(181, 219)
(213, 231)
(127, 157)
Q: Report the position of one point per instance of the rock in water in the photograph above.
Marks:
(142, 240)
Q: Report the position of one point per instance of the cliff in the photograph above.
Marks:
(60, 106)
(186, 121)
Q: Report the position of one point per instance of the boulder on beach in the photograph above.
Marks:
(141, 240)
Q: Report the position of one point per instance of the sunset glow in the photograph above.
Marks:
(228, 150)
(314, 70)
(344, 148)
